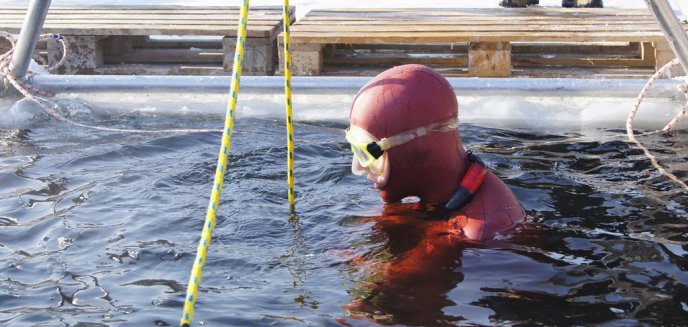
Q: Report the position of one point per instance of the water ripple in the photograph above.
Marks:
(100, 228)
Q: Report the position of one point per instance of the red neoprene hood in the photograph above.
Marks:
(401, 99)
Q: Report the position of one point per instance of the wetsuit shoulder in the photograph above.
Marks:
(493, 208)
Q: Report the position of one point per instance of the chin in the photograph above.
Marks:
(384, 195)
(389, 197)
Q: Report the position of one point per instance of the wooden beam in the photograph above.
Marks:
(663, 55)
(489, 59)
(307, 59)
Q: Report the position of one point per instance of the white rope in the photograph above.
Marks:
(40, 97)
(684, 89)
(668, 127)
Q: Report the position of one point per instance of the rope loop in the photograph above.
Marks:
(631, 116)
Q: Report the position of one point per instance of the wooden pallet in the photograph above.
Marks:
(122, 40)
(481, 42)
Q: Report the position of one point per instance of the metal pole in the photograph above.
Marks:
(28, 37)
(671, 26)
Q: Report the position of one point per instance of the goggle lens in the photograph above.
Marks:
(363, 157)
(359, 150)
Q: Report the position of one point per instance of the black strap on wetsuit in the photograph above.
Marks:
(470, 183)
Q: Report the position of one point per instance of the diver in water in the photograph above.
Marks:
(404, 135)
(564, 3)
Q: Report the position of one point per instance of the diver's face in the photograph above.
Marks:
(378, 171)
(364, 162)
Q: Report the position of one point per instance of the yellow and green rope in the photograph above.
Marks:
(206, 234)
(288, 107)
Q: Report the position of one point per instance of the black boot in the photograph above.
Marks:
(582, 3)
(514, 3)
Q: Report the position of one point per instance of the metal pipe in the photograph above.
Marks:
(542, 87)
(28, 37)
(671, 26)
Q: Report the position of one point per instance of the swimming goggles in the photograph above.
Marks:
(367, 148)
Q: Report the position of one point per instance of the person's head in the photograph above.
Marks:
(397, 104)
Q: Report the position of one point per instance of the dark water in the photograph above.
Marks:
(100, 228)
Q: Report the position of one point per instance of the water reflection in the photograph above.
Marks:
(410, 271)
(407, 270)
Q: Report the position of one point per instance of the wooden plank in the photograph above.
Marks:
(257, 31)
(483, 11)
(189, 16)
(147, 22)
(581, 48)
(446, 47)
(157, 69)
(647, 52)
(663, 55)
(572, 60)
(85, 52)
(297, 29)
(477, 24)
(395, 58)
(383, 28)
(477, 20)
(529, 60)
(167, 56)
(166, 9)
(214, 19)
(565, 18)
(367, 14)
(150, 20)
(336, 70)
(127, 30)
(387, 58)
(260, 55)
(169, 26)
(307, 59)
(489, 59)
(387, 37)
(178, 44)
(146, 7)
(621, 48)
(433, 53)
(532, 72)
(357, 28)
(277, 9)
(124, 15)
(582, 72)
(134, 17)
(254, 13)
